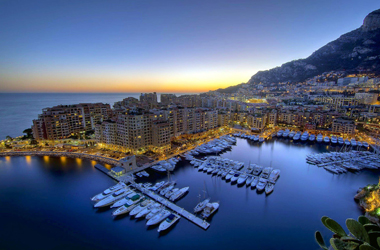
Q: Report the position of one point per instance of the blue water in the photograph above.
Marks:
(17, 110)
(45, 204)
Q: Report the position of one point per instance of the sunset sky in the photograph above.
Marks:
(164, 46)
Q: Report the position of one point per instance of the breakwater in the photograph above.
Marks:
(97, 158)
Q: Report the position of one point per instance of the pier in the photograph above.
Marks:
(181, 211)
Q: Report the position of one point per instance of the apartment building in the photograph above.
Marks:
(257, 121)
(343, 126)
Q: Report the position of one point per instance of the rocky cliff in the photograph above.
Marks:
(356, 50)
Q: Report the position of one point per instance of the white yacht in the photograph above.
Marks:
(147, 210)
(210, 209)
(274, 175)
(297, 136)
(269, 188)
(353, 142)
(121, 202)
(229, 175)
(291, 134)
(168, 222)
(171, 192)
(286, 133)
(261, 185)
(167, 189)
(159, 168)
(235, 178)
(112, 198)
(177, 195)
(127, 207)
(347, 142)
(365, 144)
(340, 141)
(108, 192)
(319, 138)
(312, 137)
(158, 218)
(242, 179)
(257, 137)
(254, 182)
(360, 144)
(250, 168)
(305, 136)
(257, 170)
(326, 139)
(334, 139)
(154, 212)
(266, 172)
(249, 181)
(140, 207)
(201, 205)
(279, 133)
(261, 139)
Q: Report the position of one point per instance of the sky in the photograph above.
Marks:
(164, 46)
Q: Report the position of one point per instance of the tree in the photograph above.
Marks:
(28, 132)
(9, 138)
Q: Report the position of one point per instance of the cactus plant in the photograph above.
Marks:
(363, 235)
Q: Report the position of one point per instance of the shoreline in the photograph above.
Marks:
(100, 159)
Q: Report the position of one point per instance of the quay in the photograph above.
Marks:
(181, 211)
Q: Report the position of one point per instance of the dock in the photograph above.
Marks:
(181, 211)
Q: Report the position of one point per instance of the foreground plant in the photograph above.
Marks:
(363, 235)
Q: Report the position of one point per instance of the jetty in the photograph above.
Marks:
(181, 211)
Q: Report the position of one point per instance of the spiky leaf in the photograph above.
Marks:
(357, 230)
(366, 247)
(363, 220)
(373, 238)
(371, 227)
(337, 244)
(320, 241)
(335, 227)
(378, 242)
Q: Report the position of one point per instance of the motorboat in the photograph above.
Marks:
(347, 142)
(353, 142)
(297, 136)
(179, 194)
(319, 138)
(249, 181)
(286, 133)
(261, 139)
(261, 185)
(158, 218)
(230, 175)
(121, 202)
(365, 144)
(127, 207)
(291, 134)
(154, 212)
(140, 207)
(171, 192)
(201, 205)
(326, 139)
(257, 137)
(334, 139)
(279, 133)
(312, 138)
(235, 178)
(269, 188)
(108, 191)
(254, 182)
(360, 144)
(242, 179)
(266, 172)
(340, 141)
(257, 170)
(274, 175)
(147, 210)
(112, 198)
(168, 222)
(305, 136)
(210, 209)
(166, 190)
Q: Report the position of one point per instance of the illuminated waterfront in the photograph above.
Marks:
(55, 193)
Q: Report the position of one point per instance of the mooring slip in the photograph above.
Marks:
(181, 211)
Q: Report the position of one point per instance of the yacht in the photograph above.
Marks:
(297, 136)
(154, 212)
(210, 209)
(249, 181)
(312, 137)
(108, 192)
(235, 178)
(257, 170)
(254, 182)
(147, 210)
(365, 144)
(159, 168)
(112, 198)
(319, 138)
(121, 202)
(229, 175)
(171, 192)
(360, 144)
(279, 133)
(250, 168)
(158, 218)
(261, 185)
(326, 139)
(347, 142)
(242, 179)
(179, 194)
(166, 190)
(168, 222)
(157, 186)
(305, 136)
(353, 142)
(201, 205)
(340, 141)
(286, 133)
(127, 207)
(261, 139)
(269, 188)
(256, 138)
(334, 140)
(274, 175)
(266, 172)
(140, 207)
(291, 134)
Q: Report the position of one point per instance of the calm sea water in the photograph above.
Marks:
(17, 110)
(45, 204)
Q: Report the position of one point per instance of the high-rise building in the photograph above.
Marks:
(343, 126)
